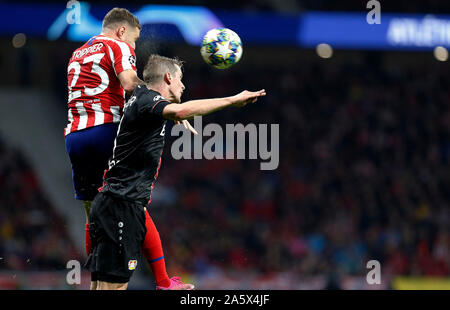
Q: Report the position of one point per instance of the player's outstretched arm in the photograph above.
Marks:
(200, 107)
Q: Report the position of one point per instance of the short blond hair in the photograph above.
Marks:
(157, 66)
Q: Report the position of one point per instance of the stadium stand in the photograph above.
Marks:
(33, 236)
(364, 174)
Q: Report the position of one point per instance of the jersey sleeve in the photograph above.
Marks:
(152, 104)
(122, 56)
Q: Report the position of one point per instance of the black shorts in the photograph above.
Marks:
(117, 230)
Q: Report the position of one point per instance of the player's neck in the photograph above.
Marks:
(110, 35)
(160, 88)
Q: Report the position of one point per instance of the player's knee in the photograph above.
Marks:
(94, 285)
(87, 206)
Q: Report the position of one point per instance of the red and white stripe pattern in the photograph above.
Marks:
(85, 115)
(96, 96)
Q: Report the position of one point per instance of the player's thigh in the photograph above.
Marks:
(131, 232)
(89, 151)
(97, 215)
(93, 285)
(117, 229)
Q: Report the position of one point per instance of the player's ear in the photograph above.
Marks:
(121, 31)
(168, 78)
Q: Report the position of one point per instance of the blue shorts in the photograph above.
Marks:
(89, 151)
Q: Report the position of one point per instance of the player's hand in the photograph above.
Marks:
(187, 125)
(245, 97)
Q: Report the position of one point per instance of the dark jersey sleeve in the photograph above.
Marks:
(152, 103)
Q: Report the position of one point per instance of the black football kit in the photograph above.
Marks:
(117, 218)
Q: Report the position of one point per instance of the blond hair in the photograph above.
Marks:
(157, 66)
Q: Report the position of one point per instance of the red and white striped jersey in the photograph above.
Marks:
(95, 94)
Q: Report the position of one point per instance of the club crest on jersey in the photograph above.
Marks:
(132, 60)
(132, 263)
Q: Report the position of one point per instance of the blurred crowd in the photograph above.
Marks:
(364, 174)
(33, 236)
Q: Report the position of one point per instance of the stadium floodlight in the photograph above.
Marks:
(440, 53)
(324, 50)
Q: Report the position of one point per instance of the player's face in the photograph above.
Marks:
(177, 86)
(131, 35)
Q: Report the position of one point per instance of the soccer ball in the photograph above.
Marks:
(221, 48)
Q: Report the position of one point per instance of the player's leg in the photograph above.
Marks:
(94, 282)
(94, 285)
(80, 178)
(87, 209)
(153, 252)
(102, 285)
(87, 240)
(89, 151)
(117, 229)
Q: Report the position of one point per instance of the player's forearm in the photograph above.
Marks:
(204, 106)
(201, 107)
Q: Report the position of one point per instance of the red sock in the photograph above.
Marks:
(153, 252)
(87, 240)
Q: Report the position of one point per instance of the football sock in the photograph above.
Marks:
(153, 252)
(87, 240)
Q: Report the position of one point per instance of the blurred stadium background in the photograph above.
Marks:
(364, 146)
